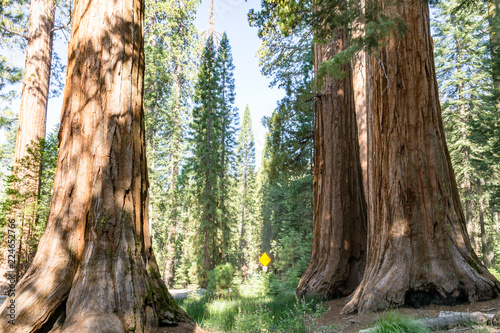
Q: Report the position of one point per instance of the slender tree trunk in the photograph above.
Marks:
(174, 173)
(339, 219)
(494, 23)
(466, 182)
(466, 186)
(221, 219)
(32, 120)
(484, 244)
(487, 237)
(418, 249)
(207, 210)
(95, 270)
(243, 243)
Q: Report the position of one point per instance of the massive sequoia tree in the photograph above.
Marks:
(95, 270)
(361, 85)
(418, 249)
(339, 219)
(32, 120)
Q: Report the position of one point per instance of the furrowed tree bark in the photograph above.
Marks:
(95, 270)
(32, 120)
(418, 249)
(362, 99)
(339, 219)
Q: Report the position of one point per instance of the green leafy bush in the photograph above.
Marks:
(220, 280)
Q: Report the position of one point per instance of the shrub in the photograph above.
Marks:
(220, 280)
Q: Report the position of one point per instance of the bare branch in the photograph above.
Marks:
(7, 30)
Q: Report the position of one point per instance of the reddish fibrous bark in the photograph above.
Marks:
(362, 99)
(32, 120)
(95, 270)
(419, 252)
(339, 219)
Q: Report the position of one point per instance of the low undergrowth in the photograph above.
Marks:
(393, 322)
(260, 305)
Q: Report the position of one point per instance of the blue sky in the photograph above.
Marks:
(251, 87)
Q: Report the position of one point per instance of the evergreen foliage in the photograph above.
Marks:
(469, 114)
(207, 157)
(212, 162)
(41, 156)
(171, 53)
(228, 117)
(286, 173)
(249, 228)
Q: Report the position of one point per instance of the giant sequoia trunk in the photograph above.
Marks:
(418, 249)
(95, 270)
(32, 119)
(339, 219)
(362, 99)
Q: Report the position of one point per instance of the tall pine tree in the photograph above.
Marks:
(246, 178)
(228, 115)
(213, 140)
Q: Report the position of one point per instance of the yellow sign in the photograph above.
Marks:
(264, 259)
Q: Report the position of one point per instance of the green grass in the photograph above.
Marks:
(393, 322)
(252, 311)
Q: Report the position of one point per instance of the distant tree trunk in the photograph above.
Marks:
(418, 249)
(32, 120)
(169, 272)
(207, 209)
(484, 244)
(95, 270)
(466, 181)
(494, 23)
(243, 242)
(339, 219)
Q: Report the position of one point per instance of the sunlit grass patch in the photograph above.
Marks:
(252, 311)
(393, 322)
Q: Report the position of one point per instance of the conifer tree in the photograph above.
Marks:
(461, 54)
(206, 159)
(246, 176)
(213, 140)
(285, 176)
(171, 52)
(228, 115)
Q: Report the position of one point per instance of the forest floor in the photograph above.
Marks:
(183, 293)
(259, 306)
(356, 322)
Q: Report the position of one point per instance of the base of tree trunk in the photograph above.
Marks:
(338, 253)
(418, 252)
(371, 298)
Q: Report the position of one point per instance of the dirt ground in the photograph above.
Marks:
(354, 323)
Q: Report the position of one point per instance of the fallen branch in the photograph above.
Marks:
(450, 319)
